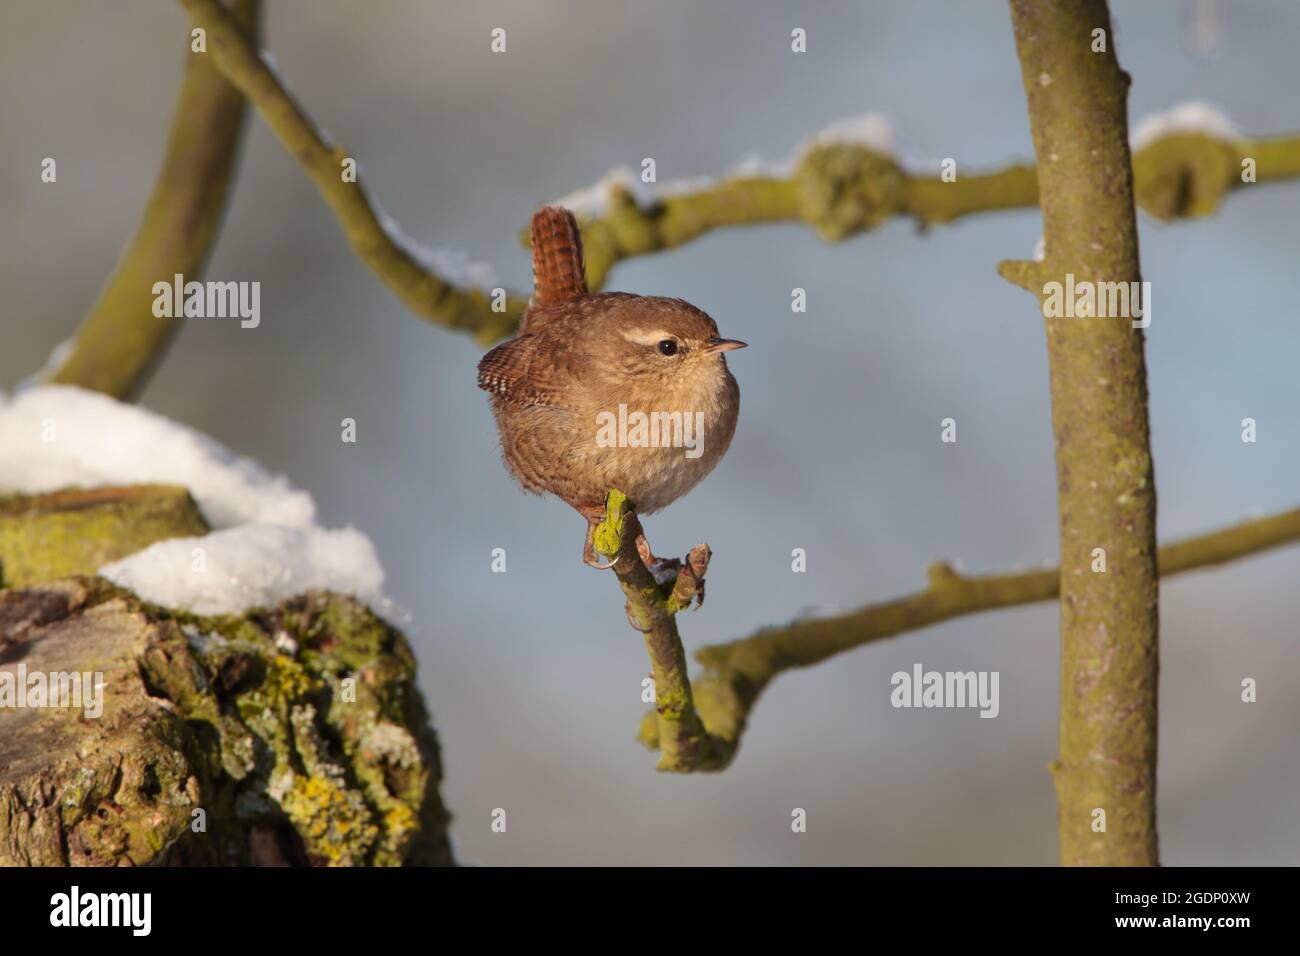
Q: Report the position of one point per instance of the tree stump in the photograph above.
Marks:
(293, 735)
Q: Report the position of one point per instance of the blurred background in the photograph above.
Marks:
(533, 676)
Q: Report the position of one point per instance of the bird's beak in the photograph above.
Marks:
(723, 345)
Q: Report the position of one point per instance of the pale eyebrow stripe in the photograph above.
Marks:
(642, 337)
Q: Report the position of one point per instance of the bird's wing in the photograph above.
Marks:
(517, 372)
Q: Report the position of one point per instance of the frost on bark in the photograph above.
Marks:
(293, 735)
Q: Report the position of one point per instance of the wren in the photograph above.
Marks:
(606, 391)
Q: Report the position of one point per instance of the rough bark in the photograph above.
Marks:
(288, 735)
(291, 736)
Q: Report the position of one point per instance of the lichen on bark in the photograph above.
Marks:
(293, 735)
(286, 735)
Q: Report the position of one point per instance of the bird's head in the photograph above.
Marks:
(659, 345)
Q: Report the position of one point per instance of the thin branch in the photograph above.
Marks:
(839, 189)
(736, 673)
(121, 341)
(373, 238)
(843, 189)
(652, 607)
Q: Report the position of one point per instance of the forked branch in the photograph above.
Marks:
(652, 607)
(735, 674)
(839, 189)
(376, 239)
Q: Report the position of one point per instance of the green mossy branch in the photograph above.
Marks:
(685, 741)
(841, 190)
(424, 293)
(1078, 114)
(76, 531)
(607, 539)
(838, 189)
(121, 341)
(736, 673)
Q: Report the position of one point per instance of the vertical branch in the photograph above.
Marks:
(1078, 113)
(685, 743)
(121, 341)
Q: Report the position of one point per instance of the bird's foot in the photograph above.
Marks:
(594, 516)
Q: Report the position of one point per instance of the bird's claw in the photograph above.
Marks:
(589, 555)
(592, 560)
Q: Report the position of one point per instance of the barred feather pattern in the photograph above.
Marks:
(559, 273)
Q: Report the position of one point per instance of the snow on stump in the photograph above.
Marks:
(132, 734)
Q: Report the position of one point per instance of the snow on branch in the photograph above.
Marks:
(446, 298)
(1194, 116)
(870, 130)
(843, 180)
(850, 178)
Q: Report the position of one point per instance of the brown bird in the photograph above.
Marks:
(607, 391)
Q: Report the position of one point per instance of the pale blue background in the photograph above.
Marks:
(533, 676)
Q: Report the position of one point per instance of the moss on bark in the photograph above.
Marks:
(77, 531)
(287, 735)
(292, 735)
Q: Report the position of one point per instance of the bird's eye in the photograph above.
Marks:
(667, 347)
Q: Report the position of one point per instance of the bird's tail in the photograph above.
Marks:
(558, 269)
